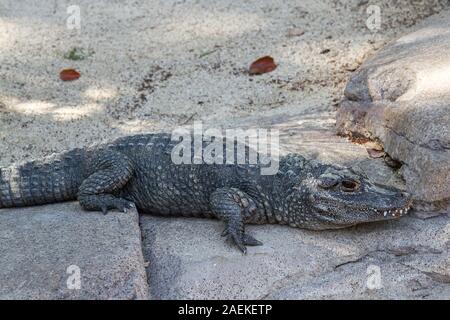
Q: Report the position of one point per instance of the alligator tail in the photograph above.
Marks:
(49, 180)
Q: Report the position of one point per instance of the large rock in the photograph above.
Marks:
(43, 248)
(401, 98)
(408, 258)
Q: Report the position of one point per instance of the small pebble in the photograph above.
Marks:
(295, 32)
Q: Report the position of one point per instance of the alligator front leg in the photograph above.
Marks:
(231, 206)
(111, 171)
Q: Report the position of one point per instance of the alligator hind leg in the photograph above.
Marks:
(111, 171)
(231, 205)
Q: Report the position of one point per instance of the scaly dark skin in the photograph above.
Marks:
(138, 171)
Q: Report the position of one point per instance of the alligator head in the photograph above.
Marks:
(330, 197)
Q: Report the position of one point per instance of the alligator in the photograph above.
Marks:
(138, 172)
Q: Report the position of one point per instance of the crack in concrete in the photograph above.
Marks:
(437, 145)
(433, 275)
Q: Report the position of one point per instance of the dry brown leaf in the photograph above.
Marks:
(262, 65)
(69, 75)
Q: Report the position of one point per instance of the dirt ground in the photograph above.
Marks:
(156, 65)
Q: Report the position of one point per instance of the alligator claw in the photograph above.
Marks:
(238, 242)
(250, 241)
(241, 240)
(224, 232)
(123, 205)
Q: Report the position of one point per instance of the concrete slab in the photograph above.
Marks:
(403, 259)
(44, 249)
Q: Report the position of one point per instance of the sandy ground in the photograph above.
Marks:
(156, 65)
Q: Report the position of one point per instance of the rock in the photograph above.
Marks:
(401, 98)
(43, 248)
(295, 32)
(407, 258)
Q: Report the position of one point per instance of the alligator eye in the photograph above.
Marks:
(349, 185)
(327, 182)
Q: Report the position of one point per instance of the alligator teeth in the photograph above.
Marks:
(395, 212)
